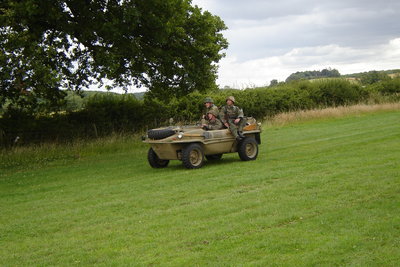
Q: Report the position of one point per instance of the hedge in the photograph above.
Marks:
(106, 113)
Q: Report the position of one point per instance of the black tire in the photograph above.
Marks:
(248, 149)
(193, 156)
(155, 161)
(158, 134)
(214, 157)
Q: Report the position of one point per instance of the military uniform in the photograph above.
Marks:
(229, 114)
(214, 108)
(214, 124)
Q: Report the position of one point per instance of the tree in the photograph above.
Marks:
(372, 77)
(273, 82)
(314, 74)
(168, 46)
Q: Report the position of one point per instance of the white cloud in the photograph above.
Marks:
(272, 39)
(259, 72)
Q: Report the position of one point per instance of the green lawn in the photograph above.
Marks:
(322, 192)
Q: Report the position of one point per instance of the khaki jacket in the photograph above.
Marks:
(230, 113)
(215, 124)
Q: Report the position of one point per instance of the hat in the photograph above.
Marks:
(208, 100)
(230, 98)
(213, 112)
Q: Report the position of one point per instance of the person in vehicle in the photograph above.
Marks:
(233, 118)
(213, 123)
(209, 105)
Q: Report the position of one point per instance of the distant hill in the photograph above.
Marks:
(76, 101)
(391, 73)
(313, 74)
(333, 73)
(139, 96)
(90, 93)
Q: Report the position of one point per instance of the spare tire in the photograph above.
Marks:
(160, 133)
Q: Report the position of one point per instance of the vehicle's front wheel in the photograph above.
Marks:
(155, 161)
(193, 156)
(248, 149)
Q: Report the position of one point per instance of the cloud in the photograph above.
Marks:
(259, 72)
(250, 39)
(272, 39)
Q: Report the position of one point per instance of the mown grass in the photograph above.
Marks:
(322, 192)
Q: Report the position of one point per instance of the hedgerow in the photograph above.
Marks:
(106, 113)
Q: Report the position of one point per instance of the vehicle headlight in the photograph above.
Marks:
(180, 135)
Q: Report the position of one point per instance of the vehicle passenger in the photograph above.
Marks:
(233, 118)
(209, 105)
(213, 122)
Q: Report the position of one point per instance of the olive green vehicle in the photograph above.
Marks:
(191, 144)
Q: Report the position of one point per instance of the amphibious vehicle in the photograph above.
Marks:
(192, 144)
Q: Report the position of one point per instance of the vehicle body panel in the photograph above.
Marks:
(212, 142)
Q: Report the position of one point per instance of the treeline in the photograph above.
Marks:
(106, 113)
(313, 74)
(364, 78)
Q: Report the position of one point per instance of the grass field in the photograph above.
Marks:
(322, 192)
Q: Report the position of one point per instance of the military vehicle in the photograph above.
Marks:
(191, 144)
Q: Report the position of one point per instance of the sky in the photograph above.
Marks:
(273, 39)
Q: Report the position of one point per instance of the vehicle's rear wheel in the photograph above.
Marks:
(193, 156)
(214, 157)
(155, 161)
(248, 149)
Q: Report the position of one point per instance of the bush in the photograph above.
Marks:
(388, 87)
(103, 114)
(107, 113)
(115, 113)
(337, 92)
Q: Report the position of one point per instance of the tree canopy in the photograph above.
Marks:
(314, 74)
(168, 46)
(372, 77)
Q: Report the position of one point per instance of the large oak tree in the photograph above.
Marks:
(169, 46)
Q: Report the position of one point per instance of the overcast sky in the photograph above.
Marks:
(272, 39)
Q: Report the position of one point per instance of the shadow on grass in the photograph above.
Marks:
(177, 165)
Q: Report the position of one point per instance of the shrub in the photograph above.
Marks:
(337, 92)
(106, 113)
(115, 113)
(387, 87)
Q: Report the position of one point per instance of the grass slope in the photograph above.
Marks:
(322, 192)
